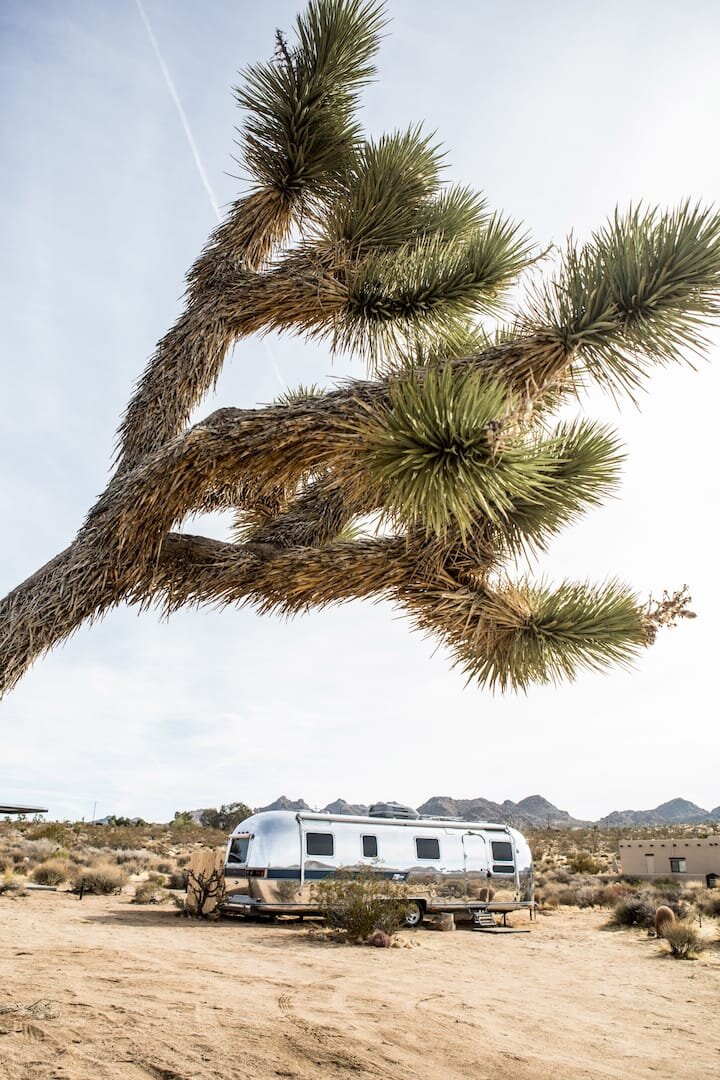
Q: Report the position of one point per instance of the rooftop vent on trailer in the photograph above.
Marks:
(392, 810)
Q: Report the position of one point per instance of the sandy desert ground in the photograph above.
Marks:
(124, 992)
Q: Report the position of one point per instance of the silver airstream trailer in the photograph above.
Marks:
(275, 857)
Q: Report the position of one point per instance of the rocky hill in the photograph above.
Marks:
(674, 812)
(533, 811)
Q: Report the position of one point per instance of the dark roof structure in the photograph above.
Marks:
(9, 808)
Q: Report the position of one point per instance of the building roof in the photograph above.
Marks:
(10, 808)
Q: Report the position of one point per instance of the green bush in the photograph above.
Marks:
(361, 901)
(101, 879)
(580, 862)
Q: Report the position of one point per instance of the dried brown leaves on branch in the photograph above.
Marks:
(450, 446)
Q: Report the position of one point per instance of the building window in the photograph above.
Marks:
(678, 866)
(427, 847)
(370, 847)
(319, 843)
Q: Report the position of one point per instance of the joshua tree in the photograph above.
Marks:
(452, 448)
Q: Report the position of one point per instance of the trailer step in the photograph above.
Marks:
(483, 920)
(502, 929)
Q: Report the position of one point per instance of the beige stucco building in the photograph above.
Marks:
(691, 857)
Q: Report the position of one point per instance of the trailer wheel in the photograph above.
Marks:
(414, 915)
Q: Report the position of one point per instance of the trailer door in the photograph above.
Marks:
(476, 857)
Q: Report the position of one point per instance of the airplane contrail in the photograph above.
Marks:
(180, 111)
(195, 153)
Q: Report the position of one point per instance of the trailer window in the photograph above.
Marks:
(502, 851)
(427, 847)
(239, 849)
(503, 868)
(370, 847)
(319, 843)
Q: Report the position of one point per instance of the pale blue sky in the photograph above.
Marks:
(558, 111)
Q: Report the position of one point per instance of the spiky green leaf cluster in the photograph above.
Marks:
(449, 454)
(524, 635)
(300, 131)
(581, 463)
(429, 289)
(639, 292)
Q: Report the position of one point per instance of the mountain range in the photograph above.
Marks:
(534, 811)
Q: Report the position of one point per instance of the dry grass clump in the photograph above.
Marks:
(684, 940)
(133, 859)
(30, 852)
(636, 909)
(12, 885)
(52, 872)
(707, 902)
(152, 891)
(58, 833)
(102, 879)
(178, 879)
(583, 892)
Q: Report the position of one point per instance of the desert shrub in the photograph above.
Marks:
(580, 862)
(609, 895)
(636, 909)
(52, 872)
(584, 893)
(131, 857)
(101, 879)
(134, 866)
(562, 876)
(164, 867)
(585, 896)
(54, 831)
(547, 897)
(683, 939)
(178, 879)
(708, 902)
(361, 901)
(12, 885)
(151, 891)
(666, 884)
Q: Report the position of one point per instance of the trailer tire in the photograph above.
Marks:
(414, 915)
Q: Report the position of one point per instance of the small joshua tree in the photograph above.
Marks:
(453, 446)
